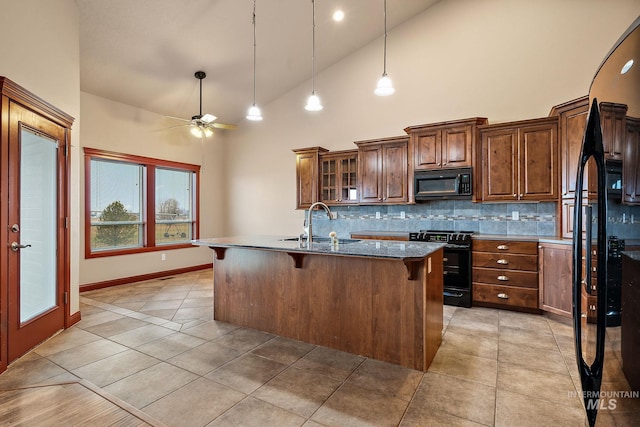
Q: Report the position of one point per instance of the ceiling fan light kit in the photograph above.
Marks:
(202, 125)
(313, 103)
(384, 87)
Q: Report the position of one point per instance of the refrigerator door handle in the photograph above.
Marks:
(590, 375)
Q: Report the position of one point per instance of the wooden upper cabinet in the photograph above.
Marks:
(613, 122)
(519, 161)
(572, 121)
(338, 177)
(383, 170)
(445, 144)
(307, 170)
(631, 163)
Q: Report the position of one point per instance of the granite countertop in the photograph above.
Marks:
(362, 248)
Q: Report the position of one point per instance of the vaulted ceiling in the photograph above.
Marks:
(145, 52)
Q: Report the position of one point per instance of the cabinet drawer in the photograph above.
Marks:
(505, 295)
(496, 276)
(505, 246)
(506, 260)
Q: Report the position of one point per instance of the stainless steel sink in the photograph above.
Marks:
(321, 240)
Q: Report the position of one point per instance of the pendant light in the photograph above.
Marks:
(254, 113)
(384, 87)
(313, 103)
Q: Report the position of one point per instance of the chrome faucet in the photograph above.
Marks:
(309, 219)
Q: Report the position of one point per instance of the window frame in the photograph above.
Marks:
(148, 200)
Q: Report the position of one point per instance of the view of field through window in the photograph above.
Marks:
(118, 194)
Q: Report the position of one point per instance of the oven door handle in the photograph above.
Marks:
(453, 294)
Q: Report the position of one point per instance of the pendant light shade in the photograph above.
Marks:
(384, 87)
(254, 113)
(313, 103)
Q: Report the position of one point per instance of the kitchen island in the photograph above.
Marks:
(378, 299)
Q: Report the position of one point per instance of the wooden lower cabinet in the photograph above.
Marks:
(555, 278)
(505, 274)
(630, 328)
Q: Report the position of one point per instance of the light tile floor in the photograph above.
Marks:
(154, 346)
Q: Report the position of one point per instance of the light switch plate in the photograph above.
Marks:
(515, 215)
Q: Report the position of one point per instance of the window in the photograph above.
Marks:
(138, 204)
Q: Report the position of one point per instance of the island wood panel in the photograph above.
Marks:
(365, 306)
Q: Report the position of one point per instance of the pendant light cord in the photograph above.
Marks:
(384, 67)
(254, 52)
(313, 49)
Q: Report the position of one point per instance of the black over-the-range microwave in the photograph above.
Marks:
(442, 184)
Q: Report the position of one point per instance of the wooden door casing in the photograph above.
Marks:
(40, 116)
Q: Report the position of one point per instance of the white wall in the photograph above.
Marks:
(505, 60)
(120, 128)
(40, 51)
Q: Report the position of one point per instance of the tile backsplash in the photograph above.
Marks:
(463, 215)
(459, 215)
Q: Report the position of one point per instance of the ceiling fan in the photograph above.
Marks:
(202, 125)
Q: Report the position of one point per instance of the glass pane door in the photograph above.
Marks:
(38, 228)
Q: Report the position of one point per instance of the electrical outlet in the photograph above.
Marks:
(163, 257)
(334, 215)
(515, 215)
(377, 215)
(402, 215)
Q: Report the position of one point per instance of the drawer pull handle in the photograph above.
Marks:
(503, 278)
(583, 315)
(503, 296)
(502, 261)
(503, 247)
(445, 259)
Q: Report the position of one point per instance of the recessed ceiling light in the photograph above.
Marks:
(626, 67)
(338, 15)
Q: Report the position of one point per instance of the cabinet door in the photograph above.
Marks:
(538, 163)
(612, 118)
(370, 167)
(328, 180)
(348, 182)
(573, 123)
(631, 164)
(499, 164)
(556, 278)
(427, 146)
(456, 147)
(307, 179)
(395, 173)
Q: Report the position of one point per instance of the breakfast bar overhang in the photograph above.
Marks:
(378, 299)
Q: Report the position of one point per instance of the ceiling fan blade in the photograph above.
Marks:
(178, 126)
(208, 118)
(223, 126)
(178, 118)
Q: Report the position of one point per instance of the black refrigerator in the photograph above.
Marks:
(617, 81)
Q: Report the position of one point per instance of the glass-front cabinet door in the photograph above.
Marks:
(338, 177)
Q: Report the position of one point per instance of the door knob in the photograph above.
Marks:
(15, 246)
